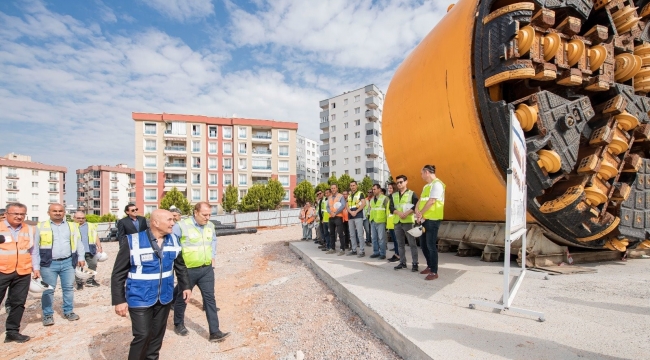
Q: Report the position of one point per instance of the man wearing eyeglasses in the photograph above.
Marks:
(402, 207)
(15, 267)
(130, 224)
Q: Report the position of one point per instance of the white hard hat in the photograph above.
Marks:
(416, 231)
(84, 273)
(37, 286)
(101, 256)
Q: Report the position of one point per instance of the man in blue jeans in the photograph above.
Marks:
(57, 251)
(429, 212)
(378, 217)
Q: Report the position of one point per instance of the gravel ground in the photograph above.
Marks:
(275, 307)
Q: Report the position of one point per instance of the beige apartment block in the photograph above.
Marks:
(103, 189)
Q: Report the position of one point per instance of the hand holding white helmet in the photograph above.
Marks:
(101, 256)
(84, 273)
(38, 286)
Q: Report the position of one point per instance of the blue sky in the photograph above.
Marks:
(71, 72)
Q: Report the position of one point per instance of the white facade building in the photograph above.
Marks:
(103, 189)
(351, 135)
(33, 184)
(308, 164)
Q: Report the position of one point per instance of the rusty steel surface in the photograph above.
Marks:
(576, 74)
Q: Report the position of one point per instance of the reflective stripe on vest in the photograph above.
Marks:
(378, 209)
(150, 278)
(436, 211)
(14, 253)
(332, 201)
(92, 238)
(47, 238)
(354, 200)
(196, 244)
(399, 202)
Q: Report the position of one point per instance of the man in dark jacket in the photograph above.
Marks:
(142, 283)
(130, 224)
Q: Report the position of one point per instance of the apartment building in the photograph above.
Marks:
(31, 183)
(308, 164)
(103, 189)
(351, 135)
(202, 155)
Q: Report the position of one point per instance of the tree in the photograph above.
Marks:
(344, 182)
(254, 199)
(365, 185)
(176, 198)
(274, 194)
(230, 199)
(92, 218)
(108, 218)
(390, 180)
(304, 192)
(332, 180)
(322, 187)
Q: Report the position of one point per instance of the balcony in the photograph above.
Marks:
(112, 179)
(175, 149)
(53, 179)
(12, 199)
(372, 138)
(372, 152)
(176, 181)
(176, 166)
(324, 158)
(372, 102)
(81, 198)
(169, 134)
(372, 164)
(132, 180)
(53, 190)
(325, 169)
(325, 147)
(196, 133)
(324, 125)
(372, 90)
(263, 182)
(324, 104)
(262, 137)
(115, 198)
(12, 176)
(324, 136)
(372, 114)
(325, 114)
(261, 167)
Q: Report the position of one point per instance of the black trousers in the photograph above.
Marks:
(203, 277)
(336, 228)
(430, 243)
(18, 286)
(346, 230)
(148, 326)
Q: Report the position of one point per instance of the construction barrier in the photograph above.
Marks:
(261, 218)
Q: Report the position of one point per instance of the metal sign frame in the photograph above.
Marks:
(515, 222)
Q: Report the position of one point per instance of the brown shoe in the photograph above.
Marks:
(425, 271)
(431, 276)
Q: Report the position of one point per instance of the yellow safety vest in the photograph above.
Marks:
(47, 238)
(325, 216)
(354, 200)
(196, 246)
(435, 212)
(378, 209)
(399, 203)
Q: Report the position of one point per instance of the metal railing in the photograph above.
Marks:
(178, 165)
(261, 218)
(262, 137)
(175, 181)
(261, 167)
(175, 148)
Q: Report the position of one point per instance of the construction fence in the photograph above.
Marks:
(262, 218)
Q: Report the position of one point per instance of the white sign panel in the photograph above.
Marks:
(517, 184)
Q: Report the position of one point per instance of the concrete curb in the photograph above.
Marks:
(386, 332)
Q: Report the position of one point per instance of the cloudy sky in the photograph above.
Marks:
(71, 72)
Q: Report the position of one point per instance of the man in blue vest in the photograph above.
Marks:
(57, 251)
(142, 283)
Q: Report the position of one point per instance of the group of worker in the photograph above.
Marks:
(349, 214)
(142, 281)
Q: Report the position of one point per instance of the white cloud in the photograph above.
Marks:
(182, 10)
(107, 14)
(362, 34)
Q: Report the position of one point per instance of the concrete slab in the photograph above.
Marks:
(603, 315)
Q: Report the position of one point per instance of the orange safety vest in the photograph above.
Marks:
(307, 215)
(330, 205)
(14, 253)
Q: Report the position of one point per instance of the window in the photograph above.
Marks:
(176, 128)
(333, 127)
(286, 196)
(357, 98)
(333, 162)
(227, 179)
(96, 193)
(334, 139)
(345, 161)
(150, 194)
(261, 164)
(212, 148)
(12, 172)
(150, 129)
(357, 110)
(227, 132)
(283, 135)
(284, 180)
(148, 209)
(283, 150)
(243, 164)
(357, 147)
(212, 131)
(227, 148)
(113, 204)
(34, 196)
(150, 178)
(215, 209)
(357, 135)
(196, 146)
(345, 137)
(213, 195)
(196, 178)
(243, 179)
(196, 162)
(241, 133)
(357, 171)
(283, 165)
(196, 194)
(196, 130)
(333, 151)
(345, 113)
(357, 122)
(345, 101)
(242, 148)
(347, 172)
(227, 164)
(213, 179)
(357, 159)
(34, 172)
(345, 149)
(34, 207)
(149, 161)
(333, 117)
(242, 193)
(96, 183)
(212, 163)
(34, 184)
(150, 145)
(345, 125)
